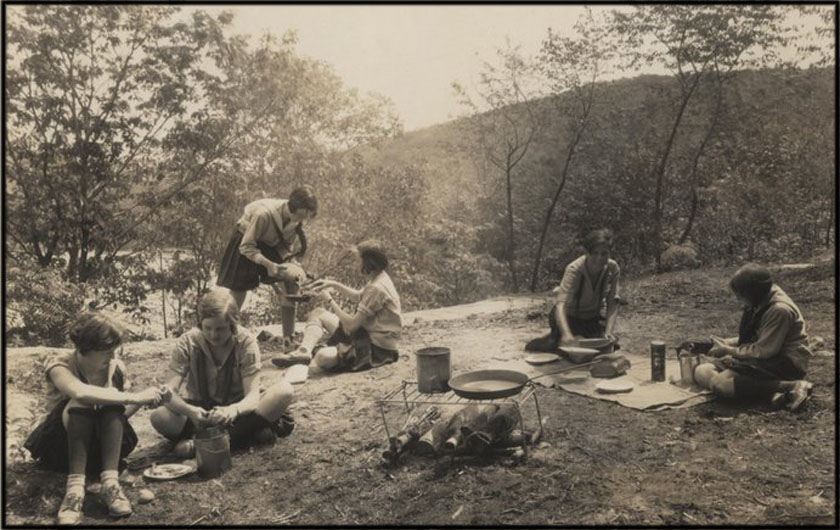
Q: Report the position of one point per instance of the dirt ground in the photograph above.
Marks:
(598, 464)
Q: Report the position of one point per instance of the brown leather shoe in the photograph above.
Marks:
(289, 359)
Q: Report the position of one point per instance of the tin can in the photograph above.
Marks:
(657, 360)
(688, 363)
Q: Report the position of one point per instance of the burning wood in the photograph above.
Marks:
(419, 421)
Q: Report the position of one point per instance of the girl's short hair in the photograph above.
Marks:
(303, 197)
(595, 238)
(752, 282)
(373, 257)
(219, 303)
(94, 331)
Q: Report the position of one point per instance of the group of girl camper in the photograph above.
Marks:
(214, 370)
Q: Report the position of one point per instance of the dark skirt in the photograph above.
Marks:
(244, 427)
(362, 354)
(589, 328)
(238, 273)
(48, 444)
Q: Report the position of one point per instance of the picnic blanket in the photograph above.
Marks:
(646, 395)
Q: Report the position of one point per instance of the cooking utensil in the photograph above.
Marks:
(300, 297)
(579, 355)
(602, 344)
(541, 358)
(492, 384)
(167, 471)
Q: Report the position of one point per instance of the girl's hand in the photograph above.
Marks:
(323, 283)
(224, 415)
(199, 417)
(165, 394)
(719, 347)
(324, 296)
(150, 396)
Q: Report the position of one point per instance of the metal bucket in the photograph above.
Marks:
(212, 452)
(433, 369)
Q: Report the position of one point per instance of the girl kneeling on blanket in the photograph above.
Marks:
(86, 429)
(769, 357)
(365, 339)
(589, 284)
(219, 363)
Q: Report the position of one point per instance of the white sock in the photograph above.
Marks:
(109, 475)
(76, 483)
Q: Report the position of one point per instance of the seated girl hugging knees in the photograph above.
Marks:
(85, 430)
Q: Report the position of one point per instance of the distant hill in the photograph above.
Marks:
(790, 98)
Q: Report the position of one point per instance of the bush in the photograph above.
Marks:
(40, 304)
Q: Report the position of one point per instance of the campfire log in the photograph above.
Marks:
(468, 420)
(431, 441)
(481, 437)
(418, 422)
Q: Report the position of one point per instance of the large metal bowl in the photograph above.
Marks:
(601, 344)
(579, 355)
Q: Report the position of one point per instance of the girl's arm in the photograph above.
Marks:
(227, 414)
(177, 403)
(70, 385)
(354, 295)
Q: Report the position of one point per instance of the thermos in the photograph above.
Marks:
(657, 360)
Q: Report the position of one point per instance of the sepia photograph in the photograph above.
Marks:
(420, 265)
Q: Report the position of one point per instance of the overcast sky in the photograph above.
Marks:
(409, 53)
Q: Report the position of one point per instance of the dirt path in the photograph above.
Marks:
(600, 463)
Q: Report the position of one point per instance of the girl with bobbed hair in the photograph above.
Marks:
(368, 337)
(86, 430)
(768, 359)
(218, 365)
(264, 248)
(589, 286)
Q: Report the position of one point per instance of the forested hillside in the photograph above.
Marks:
(764, 183)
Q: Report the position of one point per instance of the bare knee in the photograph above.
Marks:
(704, 373)
(316, 316)
(72, 404)
(326, 358)
(167, 422)
(276, 400)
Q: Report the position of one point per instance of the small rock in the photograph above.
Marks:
(145, 496)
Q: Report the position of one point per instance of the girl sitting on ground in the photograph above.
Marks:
(768, 359)
(589, 283)
(86, 429)
(367, 338)
(218, 365)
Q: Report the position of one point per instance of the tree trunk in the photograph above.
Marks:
(511, 236)
(692, 212)
(554, 201)
(660, 175)
(163, 296)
